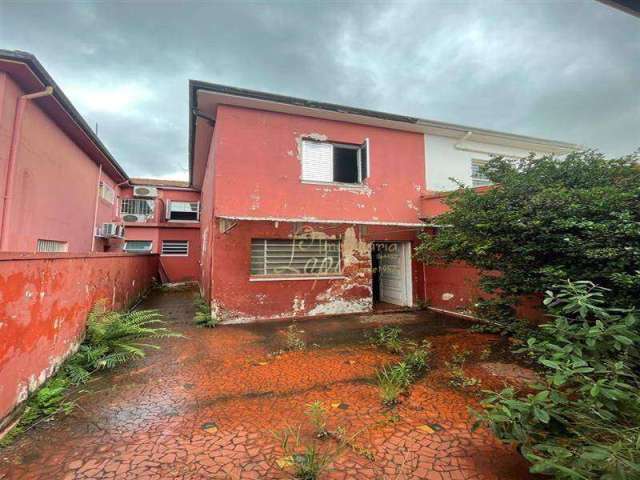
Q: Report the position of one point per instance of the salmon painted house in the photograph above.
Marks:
(310, 208)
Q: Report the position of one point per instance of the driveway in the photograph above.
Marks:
(208, 405)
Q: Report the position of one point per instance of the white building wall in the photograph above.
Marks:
(444, 160)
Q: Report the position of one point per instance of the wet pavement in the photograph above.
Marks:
(208, 405)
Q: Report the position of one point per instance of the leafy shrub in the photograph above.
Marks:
(547, 220)
(389, 338)
(582, 420)
(114, 338)
(294, 340)
(204, 317)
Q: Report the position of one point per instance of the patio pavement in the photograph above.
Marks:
(207, 406)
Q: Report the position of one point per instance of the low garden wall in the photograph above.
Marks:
(44, 302)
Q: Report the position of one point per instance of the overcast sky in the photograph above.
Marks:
(565, 70)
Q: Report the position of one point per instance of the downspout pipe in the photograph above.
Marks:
(11, 164)
(95, 210)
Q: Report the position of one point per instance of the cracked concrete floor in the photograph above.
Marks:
(207, 406)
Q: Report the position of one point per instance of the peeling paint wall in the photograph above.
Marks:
(44, 301)
(258, 169)
(240, 298)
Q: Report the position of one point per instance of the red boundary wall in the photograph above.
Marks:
(44, 301)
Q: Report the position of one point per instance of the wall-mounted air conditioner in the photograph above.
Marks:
(145, 192)
(111, 230)
(134, 217)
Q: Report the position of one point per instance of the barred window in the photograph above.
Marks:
(51, 246)
(136, 206)
(175, 247)
(295, 257)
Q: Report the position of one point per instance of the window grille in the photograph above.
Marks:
(295, 257)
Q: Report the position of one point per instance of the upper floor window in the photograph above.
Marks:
(183, 211)
(107, 193)
(478, 178)
(136, 209)
(51, 246)
(335, 162)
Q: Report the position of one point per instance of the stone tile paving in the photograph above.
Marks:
(207, 406)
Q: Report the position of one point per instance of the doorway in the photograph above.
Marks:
(391, 282)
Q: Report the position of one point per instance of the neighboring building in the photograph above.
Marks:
(58, 182)
(311, 208)
(163, 216)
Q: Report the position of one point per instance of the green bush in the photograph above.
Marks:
(582, 421)
(547, 220)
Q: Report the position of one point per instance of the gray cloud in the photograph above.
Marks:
(562, 70)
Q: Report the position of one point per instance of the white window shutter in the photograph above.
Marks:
(317, 161)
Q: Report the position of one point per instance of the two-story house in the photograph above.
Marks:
(163, 217)
(311, 208)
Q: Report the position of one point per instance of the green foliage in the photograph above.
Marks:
(457, 376)
(389, 338)
(114, 338)
(393, 380)
(49, 400)
(582, 420)
(317, 414)
(307, 461)
(204, 317)
(293, 338)
(111, 339)
(547, 220)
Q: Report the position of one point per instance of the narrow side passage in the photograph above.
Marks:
(206, 406)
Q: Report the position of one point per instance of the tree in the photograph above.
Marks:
(547, 220)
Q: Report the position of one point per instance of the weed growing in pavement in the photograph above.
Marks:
(317, 414)
(388, 337)
(294, 340)
(393, 380)
(457, 376)
(204, 317)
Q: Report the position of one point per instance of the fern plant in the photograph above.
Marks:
(204, 317)
(114, 338)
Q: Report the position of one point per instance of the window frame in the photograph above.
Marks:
(150, 203)
(166, 254)
(149, 250)
(293, 275)
(479, 181)
(362, 180)
(168, 211)
(104, 187)
(48, 242)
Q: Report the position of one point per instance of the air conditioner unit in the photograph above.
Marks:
(146, 192)
(109, 230)
(134, 217)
